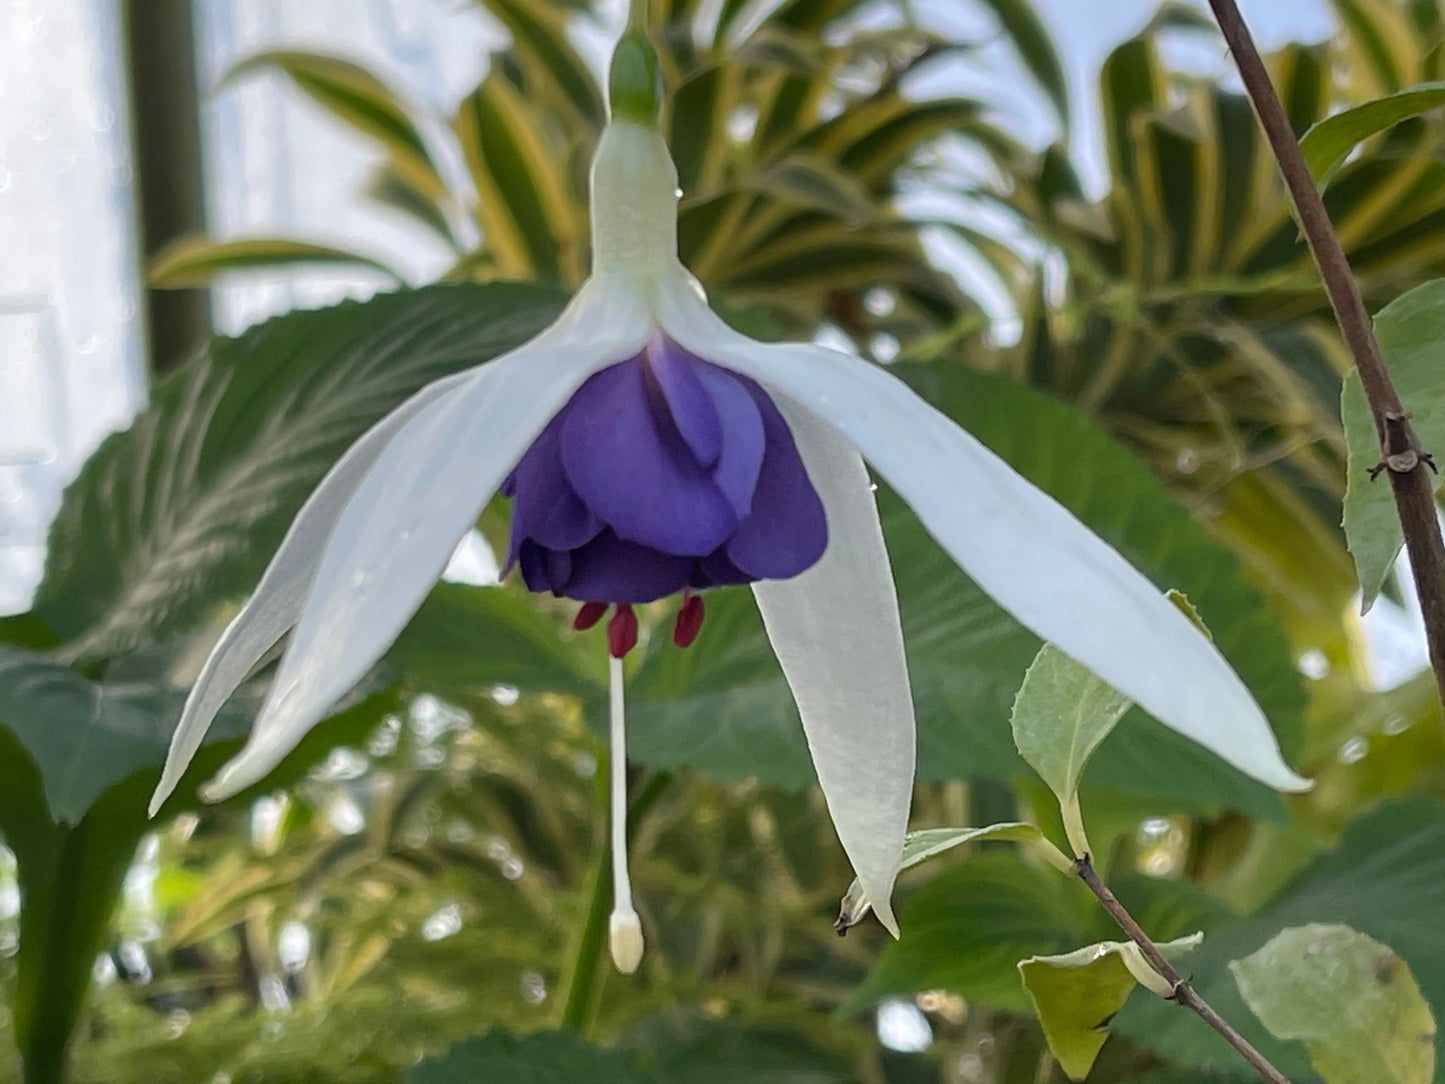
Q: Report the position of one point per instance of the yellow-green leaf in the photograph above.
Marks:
(197, 260)
(1076, 993)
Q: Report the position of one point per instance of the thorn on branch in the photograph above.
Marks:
(1400, 450)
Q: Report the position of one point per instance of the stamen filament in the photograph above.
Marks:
(625, 930)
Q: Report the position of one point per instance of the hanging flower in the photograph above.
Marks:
(651, 450)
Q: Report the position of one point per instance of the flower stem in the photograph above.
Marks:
(1400, 450)
(1181, 992)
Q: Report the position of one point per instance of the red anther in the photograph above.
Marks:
(589, 615)
(689, 621)
(621, 631)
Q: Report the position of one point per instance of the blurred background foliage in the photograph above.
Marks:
(423, 869)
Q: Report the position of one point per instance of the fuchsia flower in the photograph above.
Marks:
(650, 450)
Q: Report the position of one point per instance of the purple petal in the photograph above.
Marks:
(618, 571)
(631, 478)
(675, 374)
(743, 440)
(545, 507)
(787, 531)
(715, 570)
(543, 569)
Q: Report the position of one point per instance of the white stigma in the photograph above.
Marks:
(624, 930)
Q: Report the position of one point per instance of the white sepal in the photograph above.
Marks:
(275, 606)
(836, 632)
(1023, 548)
(424, 492)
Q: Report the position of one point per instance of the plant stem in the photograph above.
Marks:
(1183, 993)
(1400, 452)
(581, 979)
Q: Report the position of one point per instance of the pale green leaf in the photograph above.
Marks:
(1076, 994)
(929, 842)
(1411, 333)
(1351, 1000)
(1061, 714)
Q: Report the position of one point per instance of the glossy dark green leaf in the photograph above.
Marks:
(78, 762)
(180, 512)
(83, 737)
(463, 637)
(1375, 880)
(929, 843)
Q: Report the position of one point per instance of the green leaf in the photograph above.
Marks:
(180, 512)
(463, 636)
(197, 260)
(1060, 716)
(1348, 998)
(84, 737)
(1411, 333)
(1328, 142)
(1077, 993)
(544, 1057)
(966, 930)
(966, 656)
(929, 842)
(1386, 863)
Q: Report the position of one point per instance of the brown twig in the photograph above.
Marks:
(1400, 453)
(1182, 992)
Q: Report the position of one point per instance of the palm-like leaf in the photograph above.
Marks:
(788, 147)
(1193, 322)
